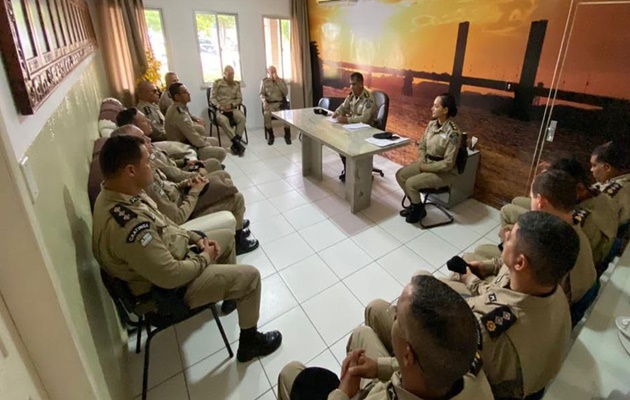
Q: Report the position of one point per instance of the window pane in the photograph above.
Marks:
(23, 31)
(208, 46)
(41, 39)
(285, 26)
(157, 39)
(228, 39)
(278, 45)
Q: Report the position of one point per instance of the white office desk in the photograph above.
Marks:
(318, 130)
(597, 366)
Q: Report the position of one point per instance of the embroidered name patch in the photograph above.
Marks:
(136, 230)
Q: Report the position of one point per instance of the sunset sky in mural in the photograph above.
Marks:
(421, 35)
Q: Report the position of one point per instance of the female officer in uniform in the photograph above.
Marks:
(437, 154)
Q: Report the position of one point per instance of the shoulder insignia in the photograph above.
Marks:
(366, 94)
(147, 110)
(453, 126)
(180, 109)
(134, 199)
(136, 230)
(498, 321)
(612, 189)
(477, 363)
(492, 298)
(122, 214)
(580, 215)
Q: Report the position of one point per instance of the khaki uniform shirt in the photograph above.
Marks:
(180, 127)
(583, 275)
(169, 167)
(438, 148)
(170, 198)
(474, 388)
(135, 242)
(165, 101)
(152, 111)
(597, 217)
(618, 189)
(359, 109)
(273, 92)
(224, 94)
(524, 337)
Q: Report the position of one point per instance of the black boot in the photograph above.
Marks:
(404, 212)
(270, 136)
(287, 135)
(416, 213)
(244, 245)
(245, 223)
(257, 344)
(237, 147)
(228, 306)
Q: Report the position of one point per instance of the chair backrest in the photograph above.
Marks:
(324, 102)
(462, 156)
(120, 293)
(208, 94)
(382, 104)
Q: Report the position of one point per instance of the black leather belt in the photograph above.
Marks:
(433, 158)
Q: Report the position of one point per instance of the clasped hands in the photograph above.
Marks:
(210, 247)
(197, 182)
(342, 119)
(355, 367)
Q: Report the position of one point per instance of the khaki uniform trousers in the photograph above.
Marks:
(213, 150)
(267, 114)
(212, 165)
(411, 180)
(224, 123)
(362, 337)
(235, 204)
(510, 212)
(227, 281)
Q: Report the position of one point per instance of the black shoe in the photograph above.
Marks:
(270, 136)
(237, 147)
(404, 212)
(246, 232)
(416, 213)
(222, 167)
(261, 345)
(244, 245)
(228, 306)
(245, 223)
(287, 135)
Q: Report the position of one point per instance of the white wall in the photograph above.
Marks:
(179, 25)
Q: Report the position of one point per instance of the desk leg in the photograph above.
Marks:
(311, 158)
(359, 183)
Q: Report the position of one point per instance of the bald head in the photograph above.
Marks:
(228, 73)
(272, 72)
(170, 78)
(130, 130)
(146, 91)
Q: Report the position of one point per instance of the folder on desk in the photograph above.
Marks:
(357, 126)
(384, 142)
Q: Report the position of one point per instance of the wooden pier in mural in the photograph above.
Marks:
(525, 91)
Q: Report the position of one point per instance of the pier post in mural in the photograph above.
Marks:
(455, 85)
(525, 91)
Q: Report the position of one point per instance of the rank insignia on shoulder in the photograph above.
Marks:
(498, 321)
(147, 110)
(580, 215)
(492, 297)
(452, 125)
(477, 363)
(122, 214)
(180, 109)
(136, 230)
(612, 189)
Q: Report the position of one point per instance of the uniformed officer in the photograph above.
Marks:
(437, 155)
(181, 127)
(175, 169)
(148, 97)
(226, 97)
(523, 347)
(609, 166)
(166, 101)
(136, 243)
(273, 94)
(435, 344)
(359, 106)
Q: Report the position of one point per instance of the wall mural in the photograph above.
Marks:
(498, 58)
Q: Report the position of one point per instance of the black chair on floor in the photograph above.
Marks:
(156, 311)
(212, 115)
(462, 159)
(286, 105)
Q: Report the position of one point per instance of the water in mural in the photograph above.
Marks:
(498, 58)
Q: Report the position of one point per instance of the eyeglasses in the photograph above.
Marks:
(154, 91)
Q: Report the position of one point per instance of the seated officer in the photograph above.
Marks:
(182, 127)
(192, 197)
(595, 214)
(273, 94)
(136, 243)
(226, 97)
(434, 337)
(148, 97)
(166, 101)
(166, 164)
(609, 166)
(523, 313)
(437, 155)
(359, 106)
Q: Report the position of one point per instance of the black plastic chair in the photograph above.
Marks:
(156, 311)
(212, 115)
(462, 159)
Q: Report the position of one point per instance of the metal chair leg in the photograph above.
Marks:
(449, 217)
(213, 308)
(139, 335)
(145, 372)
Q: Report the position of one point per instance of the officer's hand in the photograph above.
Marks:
(202, 172)
(366, 368)
(468, 278)
(342, 119)
(211, 251)
(201, 243)
(350, 384)
(352, 359)
(265, 105)
(191, 163)
(335, 115)
(477, 268)
(197, 184)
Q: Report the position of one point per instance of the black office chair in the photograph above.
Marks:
(461, 160)
(212, 115)
(156, 311)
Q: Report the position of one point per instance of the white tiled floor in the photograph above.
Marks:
(320, 265)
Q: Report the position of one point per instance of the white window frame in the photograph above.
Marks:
(238, 37)
(166, 42)
(278, 17)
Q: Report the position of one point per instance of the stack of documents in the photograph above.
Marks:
(354, 127)
(385, 142)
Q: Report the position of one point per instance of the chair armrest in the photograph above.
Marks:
(243, 108)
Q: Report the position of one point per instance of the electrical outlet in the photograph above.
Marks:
(29, 178)
(551, 130)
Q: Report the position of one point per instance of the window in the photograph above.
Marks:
(217, 35)
(278, 45)
(155, 26)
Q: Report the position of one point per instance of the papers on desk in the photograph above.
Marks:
(384, 142)
(357, 126)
